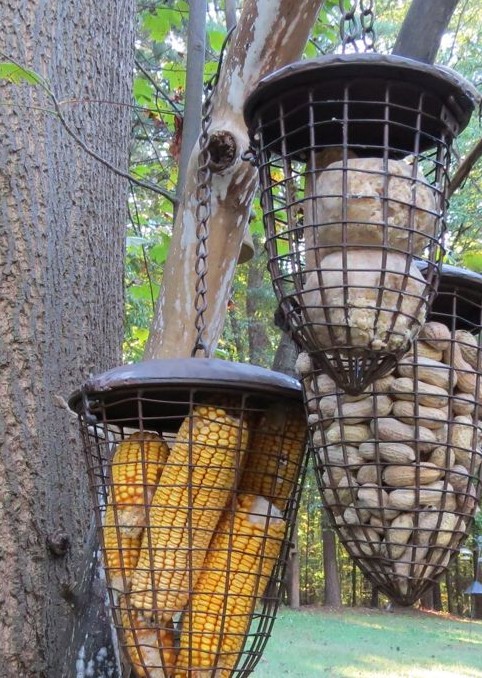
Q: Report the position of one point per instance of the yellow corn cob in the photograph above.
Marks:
(136, 468)
(193, 490)
(275, 454)
(133, 485)
(236, 571)
(121, 552)
(149, 647)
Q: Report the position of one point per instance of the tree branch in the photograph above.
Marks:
(196, 47)
(158, 89)
(465, 168)
(90, 151)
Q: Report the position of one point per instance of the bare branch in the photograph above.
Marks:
(90, 151)
(457, 30)
(158, 89)
(196, 47)
(465, 168)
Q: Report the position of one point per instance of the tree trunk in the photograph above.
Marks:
(423, 28)
(450, 593)
(437, 598)
(293, 575)
(259, 343)
(332, 596)
(458, 588)
(62, 219)
(374, 597)
(354, 597)
(427, 599)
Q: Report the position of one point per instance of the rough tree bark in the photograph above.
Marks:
(270, 34)
(62, 220)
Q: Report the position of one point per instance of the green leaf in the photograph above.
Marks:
(140, 333)
(17, 74)
(256, 227)
(174, 74)
(221, 353)
(473, 261)
(310, 51)
(210, 68)
(159, 252)
(143, 292)
(141, 171)
(157, 25)
(160, 23)
(183, 7)
(216, 39)
(142, 90)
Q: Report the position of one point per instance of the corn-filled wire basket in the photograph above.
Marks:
(195, 467)
(399, 466)
(353, 152)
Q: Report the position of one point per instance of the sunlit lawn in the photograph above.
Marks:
(366, 644)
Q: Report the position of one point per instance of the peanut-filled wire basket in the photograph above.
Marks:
(399, 466)
(195, 468)
(353, 153)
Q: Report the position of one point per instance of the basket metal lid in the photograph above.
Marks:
(187, 373)
(466, 287)
(325, 79)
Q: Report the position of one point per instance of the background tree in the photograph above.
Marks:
(62, 225)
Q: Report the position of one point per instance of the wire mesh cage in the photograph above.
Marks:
(399, 466)
(195, 469)
(353, 152)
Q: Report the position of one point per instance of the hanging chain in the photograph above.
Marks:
(203, 207)
(367, 19)
(350, 31)
(348, 25)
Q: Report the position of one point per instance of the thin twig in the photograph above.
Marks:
(135, 223)
(90, 151)
(456, 32)
(157, 88)
(465, 168)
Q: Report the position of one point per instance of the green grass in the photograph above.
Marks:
(365, 643)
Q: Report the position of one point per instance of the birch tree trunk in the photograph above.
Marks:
(270, 34)
(62, 219)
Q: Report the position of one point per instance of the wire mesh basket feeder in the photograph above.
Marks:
(353, 152)
(399, 466)
(195, 469)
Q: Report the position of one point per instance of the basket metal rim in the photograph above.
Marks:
(461, 95)
(455, 277)
(187, 373)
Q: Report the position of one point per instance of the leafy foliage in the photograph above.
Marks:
(16, 74)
